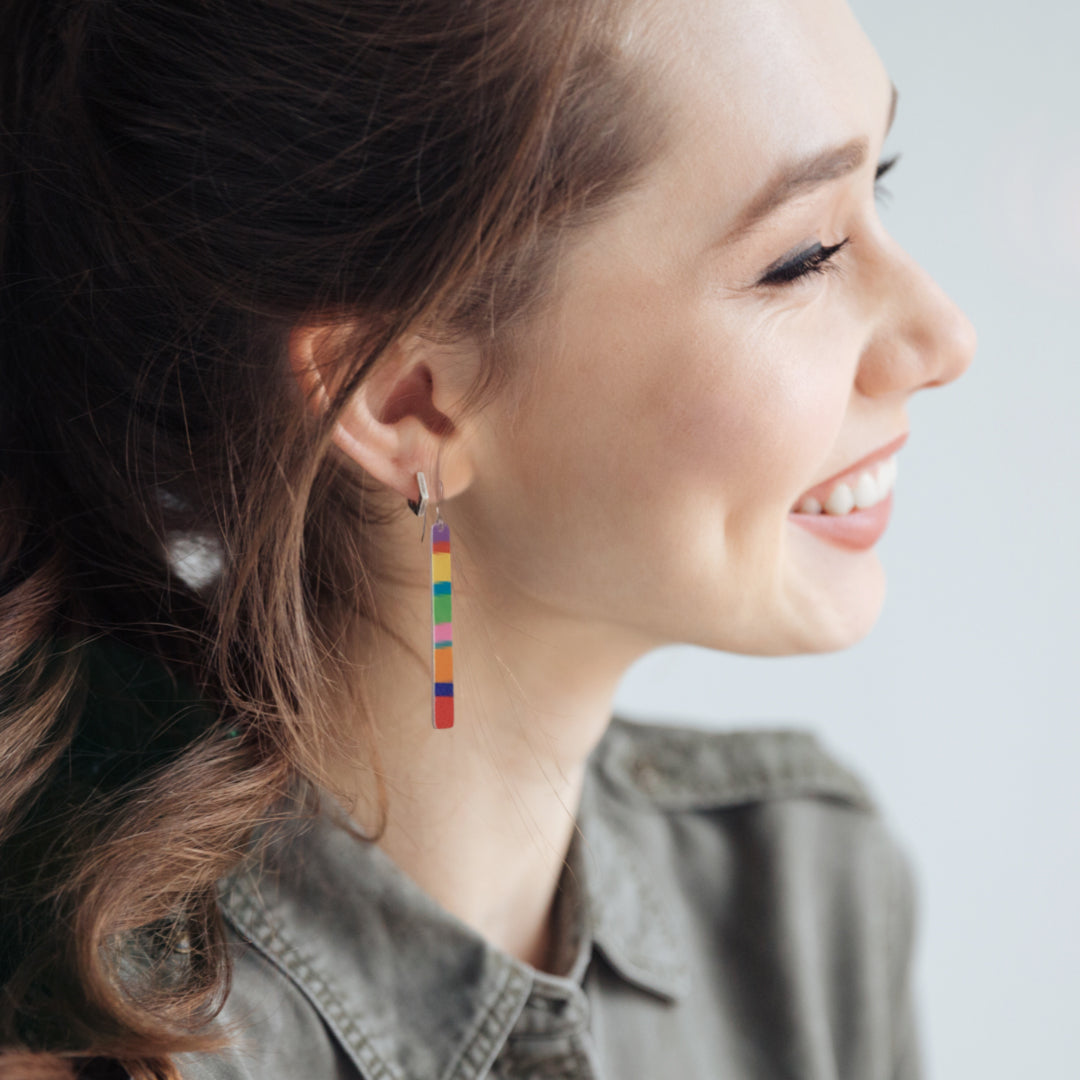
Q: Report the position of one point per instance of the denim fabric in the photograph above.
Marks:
(732, 906)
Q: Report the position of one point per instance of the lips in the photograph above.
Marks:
(821, 491)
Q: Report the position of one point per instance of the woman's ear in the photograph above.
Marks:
(395, 424)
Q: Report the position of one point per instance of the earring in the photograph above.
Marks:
(419, 506)
(442, 654)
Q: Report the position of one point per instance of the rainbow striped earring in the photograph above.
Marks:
(442, 650)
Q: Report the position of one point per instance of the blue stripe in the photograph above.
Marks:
(440, 588)
(444, 689)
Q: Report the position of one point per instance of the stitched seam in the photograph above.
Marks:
(498, 1018)
(657, 914)
(669, 980)
(803, 765)
(806, 786)
(782, 787)
(316, 987)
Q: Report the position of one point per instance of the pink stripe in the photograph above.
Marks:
(442, 631)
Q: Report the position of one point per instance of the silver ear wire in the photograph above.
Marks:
(438, 504)
(419, 507)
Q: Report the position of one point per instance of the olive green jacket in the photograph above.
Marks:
(732, 906)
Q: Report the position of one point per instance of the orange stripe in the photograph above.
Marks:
(444, 665)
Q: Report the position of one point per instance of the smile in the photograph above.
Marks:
(857, 529)
(867, 489)
(852, 509)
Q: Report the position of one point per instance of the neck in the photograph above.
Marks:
(481, 815)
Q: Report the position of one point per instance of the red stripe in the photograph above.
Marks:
(444, 712)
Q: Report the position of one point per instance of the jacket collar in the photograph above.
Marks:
(375, 954)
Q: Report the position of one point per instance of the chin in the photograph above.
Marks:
(813, 614)
(826, 614)
(839, 621)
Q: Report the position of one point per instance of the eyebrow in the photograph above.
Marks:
(798, 177)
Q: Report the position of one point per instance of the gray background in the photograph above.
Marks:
(959, 708)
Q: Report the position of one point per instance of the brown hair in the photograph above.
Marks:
(181, 184)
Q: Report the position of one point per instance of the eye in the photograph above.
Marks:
(813, 261)
(816, 260)
(882, 169)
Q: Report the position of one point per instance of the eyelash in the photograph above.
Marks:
(817, 259)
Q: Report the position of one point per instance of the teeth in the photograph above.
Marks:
(840, 500)
(868, 489)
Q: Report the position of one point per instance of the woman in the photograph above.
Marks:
(605, 280)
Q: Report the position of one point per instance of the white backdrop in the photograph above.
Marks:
(959, 708)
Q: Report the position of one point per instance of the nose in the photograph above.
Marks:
(922, 338)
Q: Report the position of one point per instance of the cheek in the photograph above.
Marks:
(671, 421)
(742, 416)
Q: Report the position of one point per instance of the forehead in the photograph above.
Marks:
(752, 84)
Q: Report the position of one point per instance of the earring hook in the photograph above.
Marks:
(438, 504)
(419, 506)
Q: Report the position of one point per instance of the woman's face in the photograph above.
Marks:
(678, 407)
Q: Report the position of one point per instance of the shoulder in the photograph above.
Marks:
(677, 766)
(761, 828)
(779, 883)
(274, 1031)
